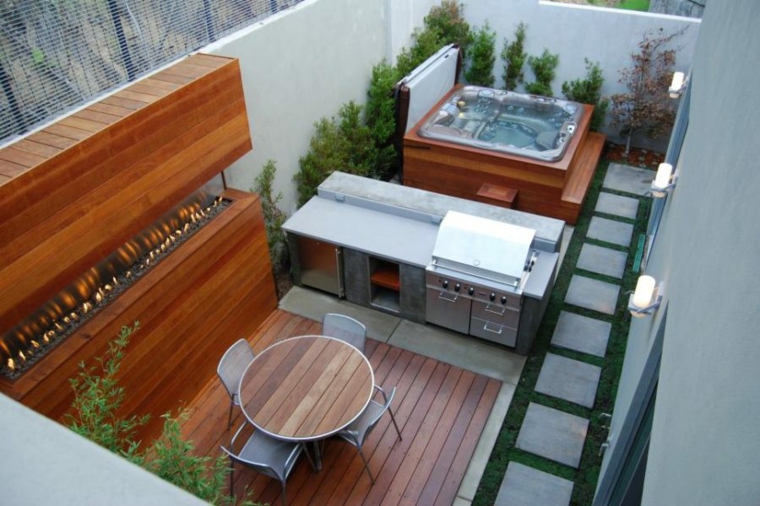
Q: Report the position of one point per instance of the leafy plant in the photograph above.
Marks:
(273, 216)
(171, 458)
(98, 397)
(589, 91)
(380, 117)
(514, 56)
(544, 69)
(482, 57)
(343, 143)
(645, 107)
(444, 24)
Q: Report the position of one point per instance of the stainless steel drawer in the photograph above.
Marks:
(496, 313)
(493, 332)
(448, 310)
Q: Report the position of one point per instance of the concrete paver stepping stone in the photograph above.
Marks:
(525, 486)
(601, 260)
(624, 178)
(610, 231)
(592, 294)
(617, 205)
(553, 434)
(581, 333)
(569, 379)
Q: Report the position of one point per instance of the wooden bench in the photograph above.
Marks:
(583, 169)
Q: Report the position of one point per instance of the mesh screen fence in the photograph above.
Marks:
(57, 54)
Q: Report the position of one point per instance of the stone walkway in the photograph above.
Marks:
(551, 433)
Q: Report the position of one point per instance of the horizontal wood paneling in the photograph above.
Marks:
(441, 410)
(93, 195)
(213, 289)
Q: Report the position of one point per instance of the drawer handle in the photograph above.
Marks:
(500, 313)
(496, 330)
(444, 296)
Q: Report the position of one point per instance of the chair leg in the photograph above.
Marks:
(393, 419)
(229, 418)
(366, 465)
(232, 472)
(284, 501)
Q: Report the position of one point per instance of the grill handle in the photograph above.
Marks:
(495, 330)
(496, 310)
(444, 296)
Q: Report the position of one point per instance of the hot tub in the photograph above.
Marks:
(529, 126)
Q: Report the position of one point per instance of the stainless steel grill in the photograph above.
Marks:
(475, 278)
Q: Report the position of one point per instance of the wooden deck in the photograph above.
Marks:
(441, 410)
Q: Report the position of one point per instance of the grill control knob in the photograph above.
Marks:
(471, 290)
(503, 299)
(457, 287)
(492, 296)
(445, 283)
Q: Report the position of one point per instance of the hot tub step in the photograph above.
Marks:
(497, 195)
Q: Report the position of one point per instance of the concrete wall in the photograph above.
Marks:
(575, 32)
(690, 8)
(305, 62)
(298, 66)
(43, 462)
(704, 443)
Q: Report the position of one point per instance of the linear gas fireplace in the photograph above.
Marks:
(37, 334)
(107, 218)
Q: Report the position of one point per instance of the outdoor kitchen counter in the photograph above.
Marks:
(396, 238)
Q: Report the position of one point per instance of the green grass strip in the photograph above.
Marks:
(504, 451)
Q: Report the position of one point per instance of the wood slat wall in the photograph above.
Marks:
(80, 188)
(75, 191)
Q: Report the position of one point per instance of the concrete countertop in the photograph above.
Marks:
(541, 276)
(371, 193)
(379, 234)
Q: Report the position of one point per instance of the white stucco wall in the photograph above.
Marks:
(704, 443)
(298, 66)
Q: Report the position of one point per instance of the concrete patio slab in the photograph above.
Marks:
(592, 294)
(581, 333)
(525, 486)
(625, 178)
(466, 352)
(610, 231)
(553, 434)
(569, 379)
(617, 205)
(313, 304)
(601, 260)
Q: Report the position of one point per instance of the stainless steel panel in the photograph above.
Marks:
(493, 332)
(448, 309)
(496, 313)
(321, 265)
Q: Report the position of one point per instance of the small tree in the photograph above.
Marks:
(343, 143)
(645, 107)
(98, 397)
(589, 91)
(273, 216)
(380, 117)
(513, 54)
(544, 69)
(482, 57)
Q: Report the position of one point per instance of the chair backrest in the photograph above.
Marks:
(344, 328)
(233, 364)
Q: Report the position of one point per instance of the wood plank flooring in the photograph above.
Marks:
(441, 410)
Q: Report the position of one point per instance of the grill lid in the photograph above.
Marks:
(482, 247)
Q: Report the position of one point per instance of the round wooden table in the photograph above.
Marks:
(306, 388)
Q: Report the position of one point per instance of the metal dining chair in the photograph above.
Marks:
(345, 328)
(231, 368)
(356, 433)
(266, 455)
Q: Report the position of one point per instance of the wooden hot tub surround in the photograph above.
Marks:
(555, 189)
(75, 191)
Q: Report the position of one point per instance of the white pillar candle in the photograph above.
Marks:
(642, 297)
(677, 83)
(662, 180)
